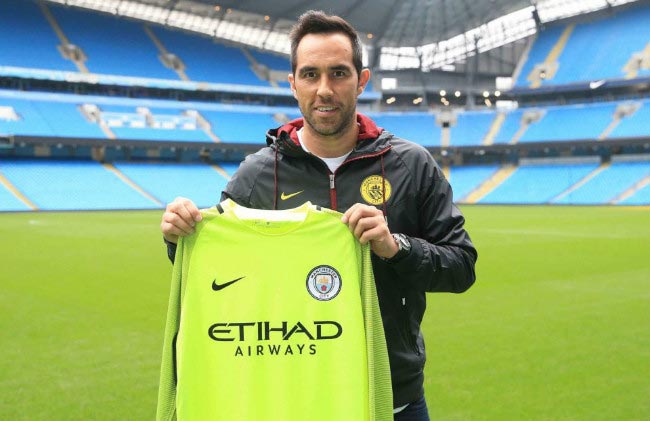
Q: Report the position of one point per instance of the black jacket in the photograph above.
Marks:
(418, 203)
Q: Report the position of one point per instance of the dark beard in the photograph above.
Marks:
(345, 123)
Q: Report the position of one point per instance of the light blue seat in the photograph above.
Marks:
(417, 127)
(635, 125)
(608, 184)
(537, 184)
(641, 197)
(161, 135)
(208, 61)
(166, 181)
(9, 202)
(471, 127)
(27, 39)
(595, 50)
(510, 126)
(571, 122)
(465, 179)
(113, 46)
(544, 43)
(30, 122)
(239, 127)
(65, 185)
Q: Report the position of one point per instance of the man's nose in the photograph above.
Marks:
(325, 87)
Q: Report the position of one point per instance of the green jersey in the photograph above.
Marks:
(273, 315)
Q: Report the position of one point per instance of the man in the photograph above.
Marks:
(393, 193)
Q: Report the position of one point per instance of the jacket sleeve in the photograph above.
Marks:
(442, 256)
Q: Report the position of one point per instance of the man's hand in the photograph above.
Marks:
(179, 219)
(368, 224)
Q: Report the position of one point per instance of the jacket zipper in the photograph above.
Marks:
(412, 340)
(332, 175)
(332, 192)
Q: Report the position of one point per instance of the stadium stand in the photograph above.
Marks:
(570, 122)
(241, 127)
(641, 197)
(125, 118)
(65, 185)
(22, 118)
(111, 45)
(120, 47)
(599, 50)
(9, 202)
(280, 66)
(635, 125)
(510, 127)
(207, 61)
(471, 127)
(22, 24)
(168, 181)
(540, 50)
(465, 179)
(537, 183)
(417, 127)
(615, 183)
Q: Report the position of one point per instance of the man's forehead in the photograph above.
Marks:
(324, 50)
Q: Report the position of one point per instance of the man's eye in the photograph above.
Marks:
(309, 75)
(339, 73)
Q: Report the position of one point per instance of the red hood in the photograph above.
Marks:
(367, 128)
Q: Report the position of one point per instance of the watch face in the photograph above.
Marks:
(402, 242)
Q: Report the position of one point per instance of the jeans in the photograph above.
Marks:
(416, 411)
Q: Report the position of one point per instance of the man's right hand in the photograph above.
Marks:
(179, 219)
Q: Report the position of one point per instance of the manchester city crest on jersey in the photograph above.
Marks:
(323, 282)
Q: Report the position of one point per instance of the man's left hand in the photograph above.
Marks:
(368, 224)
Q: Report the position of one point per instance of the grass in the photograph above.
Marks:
(556, 327)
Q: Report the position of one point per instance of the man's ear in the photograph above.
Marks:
(364, 77)
(292, 83)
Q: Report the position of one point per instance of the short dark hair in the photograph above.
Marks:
(318, 22)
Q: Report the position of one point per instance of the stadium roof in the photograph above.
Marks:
(425, 34)
(392, 23)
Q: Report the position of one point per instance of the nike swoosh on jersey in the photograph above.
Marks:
(218, 287)
(289, 196)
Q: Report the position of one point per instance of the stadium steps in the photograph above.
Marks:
(79, 62)
(179, 68)
(132, 184)
(446, 170)
(581, 183)
(644, 182)
(90, 112)
(528, 118)
(494, 129)
(550, 65)
(206, 126)
(13, 190)
(616, 120)
(281, 118)
(261, 71)
(221, 171)
(490, 184)
(638, 61)
(107, 130)
(445, 137)
(622, 111)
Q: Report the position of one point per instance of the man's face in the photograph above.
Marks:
(326, 83)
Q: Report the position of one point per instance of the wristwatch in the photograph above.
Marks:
(404, 248)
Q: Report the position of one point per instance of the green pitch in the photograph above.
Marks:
(557, 326)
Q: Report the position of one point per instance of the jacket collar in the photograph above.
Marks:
(371, 137)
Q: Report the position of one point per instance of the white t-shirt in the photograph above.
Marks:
(332, 163)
